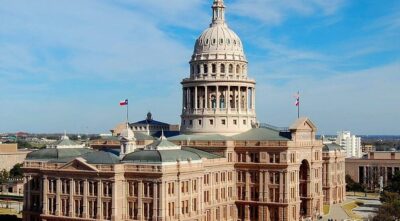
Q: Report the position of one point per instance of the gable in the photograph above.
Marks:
(303, 124)
(78, 164)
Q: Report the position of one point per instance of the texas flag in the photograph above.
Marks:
(123, 103)
(297, 96)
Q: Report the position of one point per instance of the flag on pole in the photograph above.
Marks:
(297, 96)
(123, 103)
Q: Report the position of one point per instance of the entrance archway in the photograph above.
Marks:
(304, 188)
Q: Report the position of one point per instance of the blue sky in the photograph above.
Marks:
(65, 64)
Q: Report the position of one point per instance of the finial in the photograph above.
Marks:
(162, 135)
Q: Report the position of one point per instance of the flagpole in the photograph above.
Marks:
(127, 113)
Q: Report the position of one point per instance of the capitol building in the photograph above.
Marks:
(223, 165)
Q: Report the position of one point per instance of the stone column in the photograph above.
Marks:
(85, 198)
(58, 200)
(195, 98)
(217, 97)
(71, 198)
(183, 98)
(228, 99)
(189, 99)
(162, 199)
(140, 197)
(44, 194)
(248, 192)
(99, 194)
(281, 187)
(206, 97)
(240, 99)
(114, 207)
(155, 200)
(28, 195)
(261, 186)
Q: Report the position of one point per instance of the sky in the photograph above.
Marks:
(66, 64)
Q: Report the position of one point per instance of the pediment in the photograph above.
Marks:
(303, 124)
(78, 164)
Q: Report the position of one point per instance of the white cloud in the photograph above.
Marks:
(275, 12)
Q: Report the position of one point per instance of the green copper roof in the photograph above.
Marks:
(331, 147)
(162, 144)
(160, 156)
(100, 157)
(201, 153)
(143, 136)
(53, 153)
(173, 155)
(260, 134)
(213, 137)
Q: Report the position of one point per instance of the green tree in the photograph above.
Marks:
(16, 171)
(394, 184)
(4, 175)
(388, 211)
(351, 185)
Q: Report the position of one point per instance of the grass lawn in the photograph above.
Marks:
(326, 209)
(362, 194)
(350, 206)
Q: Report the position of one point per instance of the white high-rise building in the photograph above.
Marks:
(350, 143)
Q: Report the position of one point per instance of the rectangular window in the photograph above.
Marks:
(223, 122)
(211, 122)
(234, 122)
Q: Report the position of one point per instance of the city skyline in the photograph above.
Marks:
(67, 65)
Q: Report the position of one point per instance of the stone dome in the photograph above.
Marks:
(218, 39)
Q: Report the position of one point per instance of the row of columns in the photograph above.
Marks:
(85, 213)
(218, 68)
(241, 100)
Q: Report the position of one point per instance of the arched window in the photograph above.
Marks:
(222, 68)
(198, 69)
(205, 68)
(213, 102)
(191, 69)
(231, 68)
(238, 69)
(222, 101)
(214, 68)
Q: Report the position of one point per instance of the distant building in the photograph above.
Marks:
(65, 142)
(12, 187)
(10, 155)
(366, 148)
(148, 126)
(350, 143)
(377, 164)
(334, 184)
